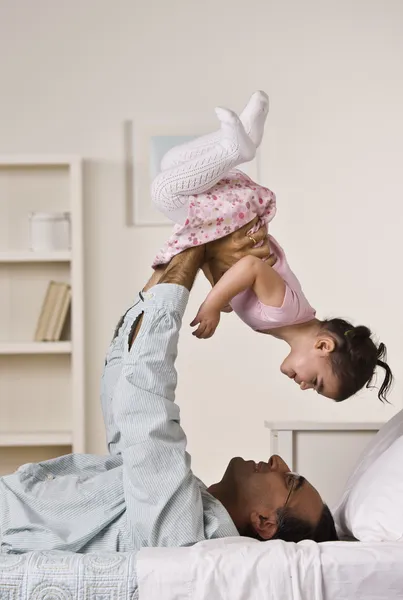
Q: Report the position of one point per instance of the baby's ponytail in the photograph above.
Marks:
(388, 379)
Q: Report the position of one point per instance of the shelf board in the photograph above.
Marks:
(39, 438)
(298, 426)
(35, 347)
(37, 160)
(34, 257)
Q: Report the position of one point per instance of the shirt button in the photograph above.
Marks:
(49, 477)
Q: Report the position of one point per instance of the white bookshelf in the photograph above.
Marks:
(9, 348)
(34, 257)
(40, 438)
(37, 160)
(41, 383)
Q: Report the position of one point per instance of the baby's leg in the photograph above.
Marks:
(253, 118)
(171, 188)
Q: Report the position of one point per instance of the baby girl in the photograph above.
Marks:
(200, 189)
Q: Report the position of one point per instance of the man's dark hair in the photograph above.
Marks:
(292, 529)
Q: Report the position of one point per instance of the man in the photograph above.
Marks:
(144, 493)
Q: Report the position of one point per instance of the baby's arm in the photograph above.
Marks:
(249, 272)
(209, 276)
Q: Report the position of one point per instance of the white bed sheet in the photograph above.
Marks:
(243, 569)
(365, 571)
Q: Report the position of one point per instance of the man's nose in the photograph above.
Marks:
(276, 463)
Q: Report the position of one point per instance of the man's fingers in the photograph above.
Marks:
(240, 236)
(247, 239)
(261, 234)
(242, 231)
(261, 252)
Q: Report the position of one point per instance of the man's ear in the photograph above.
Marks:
(265, 525)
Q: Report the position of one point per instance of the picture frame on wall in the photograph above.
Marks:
(146, 144)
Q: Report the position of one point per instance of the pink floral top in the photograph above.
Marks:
(229, 205)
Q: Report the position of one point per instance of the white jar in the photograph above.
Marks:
(50, 232)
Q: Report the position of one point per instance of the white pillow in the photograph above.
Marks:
(371, 508)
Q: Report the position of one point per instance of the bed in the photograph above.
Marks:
(237, 569)
(240, 569)
(233, 568)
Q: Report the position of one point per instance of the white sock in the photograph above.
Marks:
(253, 118)
(171, 188)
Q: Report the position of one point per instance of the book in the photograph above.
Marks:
(62, 315)
(58, 301)
(46, 312)
(54, 312)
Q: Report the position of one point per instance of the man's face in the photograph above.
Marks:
(263, 488)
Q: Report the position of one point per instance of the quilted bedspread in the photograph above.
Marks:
(68, 576)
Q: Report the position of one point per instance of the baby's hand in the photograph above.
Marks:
(207, 318)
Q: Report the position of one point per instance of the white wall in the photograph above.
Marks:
(72, 72)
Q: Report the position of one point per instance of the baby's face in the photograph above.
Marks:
(312, 370)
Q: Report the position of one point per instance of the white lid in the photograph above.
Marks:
(50, 216)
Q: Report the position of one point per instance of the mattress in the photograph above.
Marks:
(268, 571)
(362, 570)
(242, 569)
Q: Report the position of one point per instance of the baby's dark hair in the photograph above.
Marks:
(355, 358)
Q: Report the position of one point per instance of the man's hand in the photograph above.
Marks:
(222, 254)
(207, 318)
(183, 267)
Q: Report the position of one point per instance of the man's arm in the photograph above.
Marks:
(163, 500)
(182, 270)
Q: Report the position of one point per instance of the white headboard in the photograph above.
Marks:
(325, 453)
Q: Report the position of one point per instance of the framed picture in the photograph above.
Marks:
(146, 144)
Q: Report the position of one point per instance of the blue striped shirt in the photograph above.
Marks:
(144, 492)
